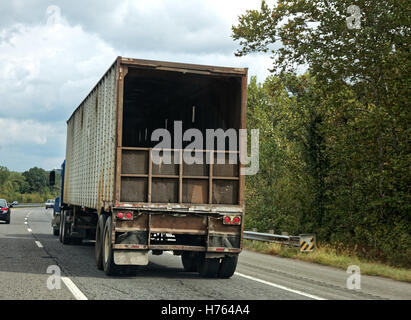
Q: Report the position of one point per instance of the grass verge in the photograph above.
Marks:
(327, 255)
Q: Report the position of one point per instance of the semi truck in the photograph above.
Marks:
(112, 190)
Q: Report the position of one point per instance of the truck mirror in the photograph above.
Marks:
(52, 178)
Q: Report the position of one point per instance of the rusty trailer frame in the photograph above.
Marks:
(96, 166)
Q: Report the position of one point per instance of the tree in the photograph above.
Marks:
(281, 196)
(4, 175)
(36, 179)
(358, 149)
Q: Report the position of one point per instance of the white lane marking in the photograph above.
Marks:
(280, 287)
(39, 244)
(25, 222)
(29, 230)
(74, 289)
(272, 284)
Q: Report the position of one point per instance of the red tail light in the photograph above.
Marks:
(232, 220)
(124, 215)
(4, 209)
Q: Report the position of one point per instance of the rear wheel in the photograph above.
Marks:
(8, 221)
(56, 231)
(64, 230)
(99, 241)
(190, 261)
(208, 267)
(110, 268)
(61, 227)
(228, 266)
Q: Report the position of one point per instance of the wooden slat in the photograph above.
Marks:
(150, 172)
(180, 179)
(210, 179)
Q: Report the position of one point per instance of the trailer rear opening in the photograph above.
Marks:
(115, 192)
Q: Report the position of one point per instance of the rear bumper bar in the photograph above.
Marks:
(176, 231)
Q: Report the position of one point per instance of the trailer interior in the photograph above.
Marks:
(156, 99)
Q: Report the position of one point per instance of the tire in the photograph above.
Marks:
(99, 241)
(61, 227)
(56, 231)
(64, 230)
(208, 268)
(110, 268)
(190, 261)
(227, 267)
(8, 221)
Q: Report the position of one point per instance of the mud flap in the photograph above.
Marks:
(131, 257)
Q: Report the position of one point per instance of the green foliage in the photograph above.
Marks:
(30, 186)
(36, 179)
(335, 148)
(335, 256)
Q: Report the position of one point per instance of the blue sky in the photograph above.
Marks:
(53, 53)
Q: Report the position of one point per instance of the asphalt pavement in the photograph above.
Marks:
(30, 256)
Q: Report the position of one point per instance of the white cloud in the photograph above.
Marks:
(40, 65)
(15, 132)
(51, 57)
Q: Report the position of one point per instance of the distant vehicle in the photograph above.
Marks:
(13, 204)
(49, 203)
(4, 211)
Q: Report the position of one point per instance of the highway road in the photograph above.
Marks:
(28, 248)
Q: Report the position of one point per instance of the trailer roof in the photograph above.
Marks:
(171, 66)
(183, 67)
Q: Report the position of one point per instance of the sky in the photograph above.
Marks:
(52, 53)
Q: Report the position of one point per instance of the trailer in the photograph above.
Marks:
(113, 190)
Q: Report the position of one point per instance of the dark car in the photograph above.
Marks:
(4, 211)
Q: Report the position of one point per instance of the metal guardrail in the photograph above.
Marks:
(306, 242)
(269, 237)
(28, 205)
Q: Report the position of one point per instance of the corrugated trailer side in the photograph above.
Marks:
(90, 148)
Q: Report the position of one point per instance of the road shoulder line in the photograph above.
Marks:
(280, 287)
(74, 289)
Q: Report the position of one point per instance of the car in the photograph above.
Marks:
(13, 204)
(49, 203)
(4, 211)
